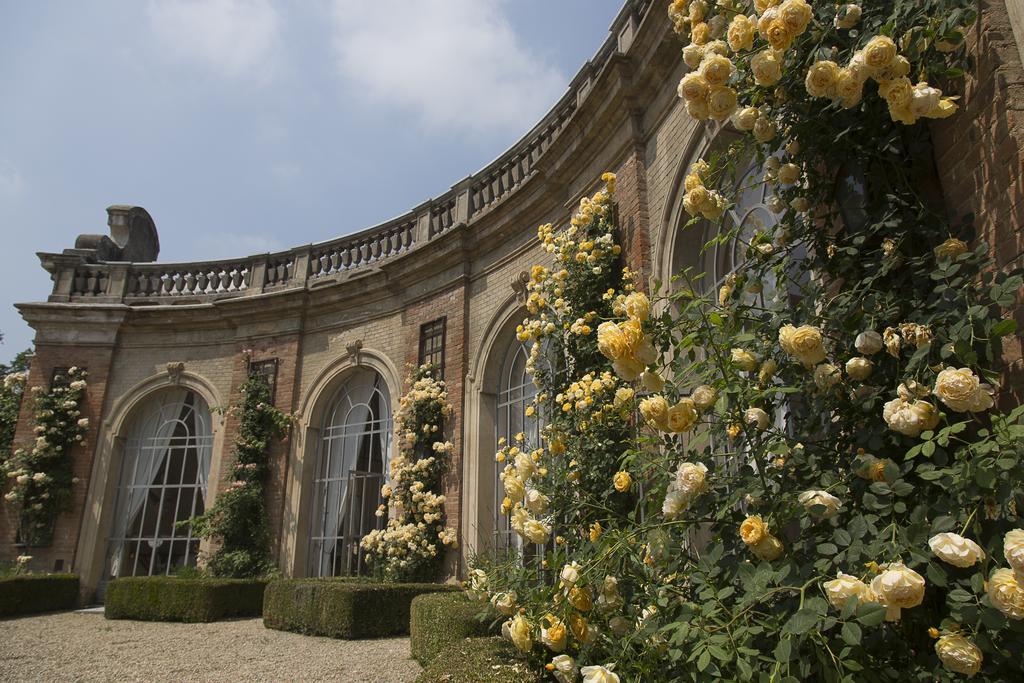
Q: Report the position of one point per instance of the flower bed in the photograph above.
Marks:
(477, 660)
(342, 608)
(35, 593)
(167, 598)
(440, 620)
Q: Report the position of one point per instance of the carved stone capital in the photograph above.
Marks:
(353, 348)
(174, 371)
(519, 283)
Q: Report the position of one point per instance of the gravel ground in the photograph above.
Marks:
(75, 646)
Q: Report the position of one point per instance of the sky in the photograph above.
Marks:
(247, 126)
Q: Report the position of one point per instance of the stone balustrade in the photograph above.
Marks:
(76, 279)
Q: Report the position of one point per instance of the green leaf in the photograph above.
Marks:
(851, 633)
(801, 622)
(870, 614)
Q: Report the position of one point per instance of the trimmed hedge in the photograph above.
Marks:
(168, 598)
(33, 593)
(342, 608)
(478, 660)
(439, 620)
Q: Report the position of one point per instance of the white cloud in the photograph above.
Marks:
(454, 63)
(12, 184)
(237, 39)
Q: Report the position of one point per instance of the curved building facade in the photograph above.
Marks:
(334, 324)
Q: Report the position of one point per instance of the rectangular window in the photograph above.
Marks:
(267, 369)
(432, 344)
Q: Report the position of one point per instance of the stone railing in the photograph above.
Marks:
(76, 279)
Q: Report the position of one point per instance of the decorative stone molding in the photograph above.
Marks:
(353, 348)
(519, 283)
(174, 371)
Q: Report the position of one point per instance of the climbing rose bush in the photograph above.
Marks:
(799, 472)
(411, 546)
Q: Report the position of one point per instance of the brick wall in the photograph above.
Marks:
(979, 154)
(97, 361)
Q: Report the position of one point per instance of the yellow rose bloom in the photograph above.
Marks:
(951, 248)
(637, 306)
(740, 34)
(716, 69)
(1006, 593)
(721, 105)
(962, 391)
(753, 530)
(693, 87)
(743, 359)
(844, 587)
(580, 598)
(519, 633)
(822, 79)
(879, 53)
(958, 654)
(766, 67)
(803, 343)
(555, 636)
(654, 410)
(612, 341)
(595, 532)
(622, 481)
(898, 587)
(682, 416)
(768, 548)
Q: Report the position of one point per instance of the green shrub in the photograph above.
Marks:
(439, 620)
(33, 593)
(342, 608)
(478, 660)
(169, 598)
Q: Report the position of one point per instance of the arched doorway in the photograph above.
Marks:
(353, 454)
(165, 471)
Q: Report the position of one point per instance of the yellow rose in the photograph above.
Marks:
(716, 69)
(611, 341)
(847, 16)
(692, 87)
(536, 531)
(844, 587)
(595, 532)
(741, 33)
(958, 654)
(654, 409)
(744, 360)
(753, 530)
(682, 416)
(869, 343)
(505, 603)
(580, 598)
(796, 15)
(579, 627)
(776, 33)
(764, 129)
(803, 343)
(812, 499)
(1006, 593)
(789, 174)
(514, 487)
(822, 79)
(700, 33)
(826, 376)
(555, 635)
(849, 89)
(622, 481)
(757, 418)
(637, 306)
(692, 55)
(956, 550)
(879, 53)
(1013, 549)
(721, 105)
(768, 548)
(859, 368)
(897, 93)
(766, 67)
(910, 417)
(898, 587)
(704, 397)
(628, 368)
(962, 391)
(519, 633)
(950, 249)
(652, 381)
(767, 371)
(745, 118)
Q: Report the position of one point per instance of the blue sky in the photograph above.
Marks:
(246, 126)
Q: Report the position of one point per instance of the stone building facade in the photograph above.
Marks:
(339, 321)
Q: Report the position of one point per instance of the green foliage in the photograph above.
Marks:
(477, 660)
(172, 598)
(237, 521)
(12, 389)
(440, 620)
(342, 608)
(825, 466)
(42, 471)
(33, 593)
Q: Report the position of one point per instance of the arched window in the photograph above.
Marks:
(516, 391)
(164, 474)
(352, 464)
(719, 259)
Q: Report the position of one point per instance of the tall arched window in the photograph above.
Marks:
(720, 259)
(516, 391)
(352, 464)
(164, 474)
